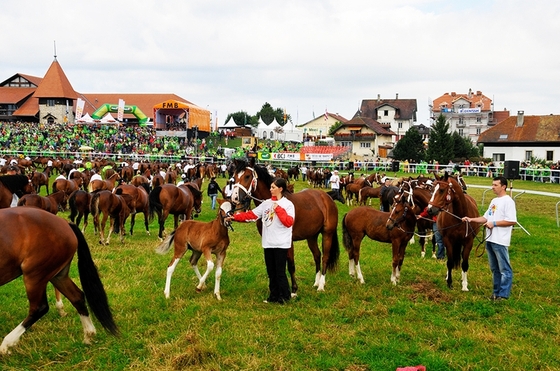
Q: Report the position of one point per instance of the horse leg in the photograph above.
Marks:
(38, 307)
(146, 213)
(395, 274)
(58, 303)
(132, 217)
(170, 270)
(319, 275)
(290, 257)
(219, 263)
(162, 216)
(76, 296)
(194, 265)
(209, 268)
(354, 258)
(465, 268)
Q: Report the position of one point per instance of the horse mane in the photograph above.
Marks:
(262, 172)
(14, 182)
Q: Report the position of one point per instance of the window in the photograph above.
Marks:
(271, 135)
(478, 130)
(346, 144)
(264, 134)
(50, 102)
(498, 157)
(461, 132)
(365, 145)
(478, 119)
(549, 155)
(386, 112)
(400, 125)
(528, 155)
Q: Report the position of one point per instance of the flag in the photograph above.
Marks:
(326, 115)
(120, 110)
(79, 108)
(285, 115)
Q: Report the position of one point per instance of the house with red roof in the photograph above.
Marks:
(523, 138)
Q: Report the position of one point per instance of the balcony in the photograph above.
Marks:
(352, 137)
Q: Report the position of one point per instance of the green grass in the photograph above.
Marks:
(375, 326)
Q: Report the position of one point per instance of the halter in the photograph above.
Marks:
(252, 186)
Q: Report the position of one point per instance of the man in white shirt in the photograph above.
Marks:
(335, 181)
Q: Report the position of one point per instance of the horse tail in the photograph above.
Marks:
(73, 208)
(95, 205)
(360, 196)
(90, 187)
(334, 253)
(155, 204)
(346, 239)
(54, 187)
(91, 283)
(165, 246)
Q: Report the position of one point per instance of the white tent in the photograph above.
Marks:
(229, 126)
(86, 119)
(270, 131)
(108, 119)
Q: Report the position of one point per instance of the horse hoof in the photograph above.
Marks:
(218, 296)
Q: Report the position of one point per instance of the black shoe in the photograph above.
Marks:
(492, 298)
(500, 298)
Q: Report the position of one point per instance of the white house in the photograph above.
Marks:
(319, 126)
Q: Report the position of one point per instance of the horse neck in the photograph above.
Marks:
(459, 203)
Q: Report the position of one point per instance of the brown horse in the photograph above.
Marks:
(40, 246)
(107, 184)
(51, 203)
(10, 184)
(368, 193)
(203, 239)
(79, 202)
(176, 200)
(379, 226)
(68, 186)
(315, 213)
(40, 179)
(127, 174)
(451, 204)
(115, 206)
(140, 203)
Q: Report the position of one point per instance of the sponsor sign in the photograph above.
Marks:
(469, 110)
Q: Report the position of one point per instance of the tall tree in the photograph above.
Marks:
(268, 114)
(440, 145)
(463, 148)
(410, 147)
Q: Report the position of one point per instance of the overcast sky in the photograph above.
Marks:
(305, 56)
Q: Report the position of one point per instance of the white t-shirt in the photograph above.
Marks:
(274, 233)
(501, 208)
(335, 180)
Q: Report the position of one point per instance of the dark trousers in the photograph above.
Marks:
(276, 261)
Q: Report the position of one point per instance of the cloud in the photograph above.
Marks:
(304, 56)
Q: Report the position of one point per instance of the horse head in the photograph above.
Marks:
(402, 205)
(444, 191)
(246, 180)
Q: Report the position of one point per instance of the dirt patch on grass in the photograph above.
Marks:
(428, 291)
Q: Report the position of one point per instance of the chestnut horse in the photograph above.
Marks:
(140, 203)
(203, 239)
(379, 226)
(10, 184)
(68, 186)
(451, 204)
(50, 203)
(107, 184)
(40, 179)
(115, 206)
(315, 213)
(79, 202)
(176, 200)
(40, 246)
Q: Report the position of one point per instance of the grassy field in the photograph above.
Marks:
(350, 326)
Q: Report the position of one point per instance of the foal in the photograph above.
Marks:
(202, 238)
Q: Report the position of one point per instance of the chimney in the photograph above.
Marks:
(397, 96)
(470, 93)
(378, 98)
(520, 115)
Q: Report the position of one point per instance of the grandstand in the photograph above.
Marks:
(336, 151)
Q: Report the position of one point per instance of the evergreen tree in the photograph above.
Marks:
(463, 148)
(440, 145)
(410, 147)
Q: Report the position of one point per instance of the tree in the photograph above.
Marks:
(334, 126)
(241, 118)
(440, 145)
(463, 148)
(410, 147)
(268, 114)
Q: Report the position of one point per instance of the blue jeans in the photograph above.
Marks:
(213, 198)
(440, 254)
(502, 274)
